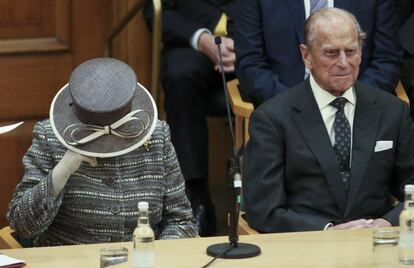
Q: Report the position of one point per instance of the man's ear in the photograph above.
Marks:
(304, 50)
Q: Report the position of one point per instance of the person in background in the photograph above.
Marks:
(101, 152)
(405, 19)
(331, 152)
(268, 35)
(193, 88)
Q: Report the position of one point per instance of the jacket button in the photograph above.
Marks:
(109, 181)
(115, 209)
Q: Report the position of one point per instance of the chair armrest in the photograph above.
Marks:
(7, 241)
(400, 91)
(244, 229)
(238, 105)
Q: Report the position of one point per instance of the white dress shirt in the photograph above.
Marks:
(328, 112)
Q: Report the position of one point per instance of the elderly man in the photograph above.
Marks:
(330, 153)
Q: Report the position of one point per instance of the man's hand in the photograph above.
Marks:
(379, 223)
(228, 55)
(69, 163)
(356, 224)
(207, 46)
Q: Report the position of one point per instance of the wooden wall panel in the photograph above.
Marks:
(34, 25)
(27, 18)
(42, 42)
(29, 92)
(133, 45)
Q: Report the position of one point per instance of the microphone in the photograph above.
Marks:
(233, 249)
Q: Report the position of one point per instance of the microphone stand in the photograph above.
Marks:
(233, 249)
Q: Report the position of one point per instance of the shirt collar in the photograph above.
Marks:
(324, 98)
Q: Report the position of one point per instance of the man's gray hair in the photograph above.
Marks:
(329, 14)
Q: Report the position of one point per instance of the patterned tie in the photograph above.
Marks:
(342, 146)
(317, 4)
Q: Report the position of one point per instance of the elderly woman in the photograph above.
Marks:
(100, 153)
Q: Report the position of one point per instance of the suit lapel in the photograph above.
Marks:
(297, 12)
(343, 4)
(309, 121)
(366, 122)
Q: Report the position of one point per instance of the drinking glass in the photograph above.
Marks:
(113, 256)
(385, 247)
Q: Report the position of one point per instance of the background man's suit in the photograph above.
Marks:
(405, 18)
(193, 89)
(268, 35)
(291, 177)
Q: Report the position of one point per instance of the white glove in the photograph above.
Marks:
(69, 163)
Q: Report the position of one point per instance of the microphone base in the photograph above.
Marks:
(242, 251)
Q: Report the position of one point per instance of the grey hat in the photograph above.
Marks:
(103, 111)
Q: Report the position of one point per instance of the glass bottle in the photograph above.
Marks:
(406, 242)
(143, 238)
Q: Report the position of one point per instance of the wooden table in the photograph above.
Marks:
(302, 249)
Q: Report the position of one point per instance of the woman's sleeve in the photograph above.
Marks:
(33, 206)
(178, 221)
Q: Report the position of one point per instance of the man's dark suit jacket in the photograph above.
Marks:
(291, 178)
(182, 18)
(405, 19)
(268, 35)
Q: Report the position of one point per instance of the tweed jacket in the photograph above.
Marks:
(99, 204)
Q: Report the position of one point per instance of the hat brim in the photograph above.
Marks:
(62, 115)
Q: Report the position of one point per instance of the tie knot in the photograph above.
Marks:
(339, 103)
(317, 4)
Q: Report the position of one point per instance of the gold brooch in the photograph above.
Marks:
(147, 144)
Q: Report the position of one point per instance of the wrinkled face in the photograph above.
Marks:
(334, 56)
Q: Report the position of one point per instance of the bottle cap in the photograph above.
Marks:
(143, 205)
(409, 188)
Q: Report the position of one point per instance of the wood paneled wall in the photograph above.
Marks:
(133, 45)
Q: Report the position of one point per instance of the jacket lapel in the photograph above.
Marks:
(297, 12)
(309, 121)
(366, 122)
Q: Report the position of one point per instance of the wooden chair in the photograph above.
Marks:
(241, 110)
(243, 228)
(400, 91)
(7, 239)
(156, 51)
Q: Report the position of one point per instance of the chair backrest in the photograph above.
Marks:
(7, 240)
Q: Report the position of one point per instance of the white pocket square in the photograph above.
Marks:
(382, 146)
